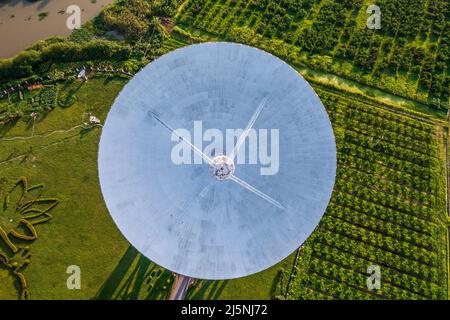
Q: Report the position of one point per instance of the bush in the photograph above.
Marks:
(20, 66)
(26, 63)
(67, 100)
(128, 18)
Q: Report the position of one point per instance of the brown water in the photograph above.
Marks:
(20, 25)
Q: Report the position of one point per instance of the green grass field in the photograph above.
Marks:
(81, 232)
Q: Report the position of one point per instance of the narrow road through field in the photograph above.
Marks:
(180, 287)
(41, 135)
(21, 138)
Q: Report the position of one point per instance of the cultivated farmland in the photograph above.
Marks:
(407, 56)
(388, 209)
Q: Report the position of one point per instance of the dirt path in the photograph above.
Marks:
(51, 144)
(293, 273)
(41, 135)
(180, 287)
(447, 170)
(346, 85)
(362, 89)
(352, 96)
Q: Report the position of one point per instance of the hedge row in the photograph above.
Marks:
(28, 62)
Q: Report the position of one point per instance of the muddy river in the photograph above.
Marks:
(23, 22)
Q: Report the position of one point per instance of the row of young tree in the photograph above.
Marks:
(386, 210)
(412, 43)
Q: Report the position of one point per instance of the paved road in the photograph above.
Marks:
(180, 287)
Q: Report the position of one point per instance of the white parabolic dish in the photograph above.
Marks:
(180, 215)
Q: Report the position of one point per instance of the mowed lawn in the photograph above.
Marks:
(82, 232)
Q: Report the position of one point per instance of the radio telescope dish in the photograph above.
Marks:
(217, 213)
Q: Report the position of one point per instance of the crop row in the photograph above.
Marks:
(403, 192)
(377, 116)
(340, 257)
(385, 209)
(383, 227)
(369, 193)
(350, 246)
(360, 207)
(363, 152)
(390, 149)
(393, 278)
(379, 240)
(358, 281)
(386, 128)
(382, 135)
(393, 174)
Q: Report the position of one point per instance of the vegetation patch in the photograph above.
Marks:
(25, 101)
(388, 209)
(408, 56)
(22, 208)
(42, 15)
